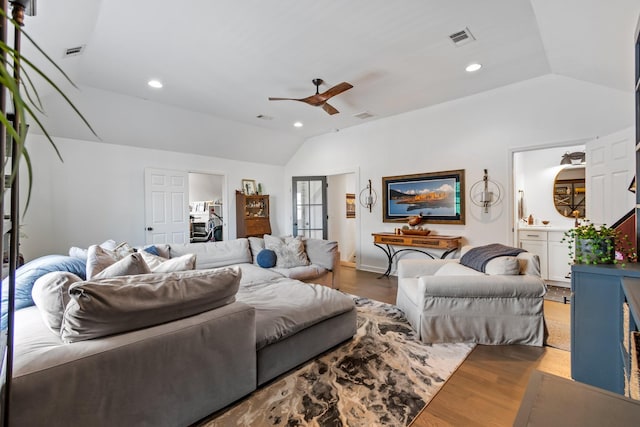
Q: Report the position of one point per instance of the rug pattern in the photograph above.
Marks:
(384, 376)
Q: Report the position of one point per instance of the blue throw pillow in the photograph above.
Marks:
(27, 274)
(152, 250)
(266, 258)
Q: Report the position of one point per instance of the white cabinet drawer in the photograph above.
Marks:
(533, 235)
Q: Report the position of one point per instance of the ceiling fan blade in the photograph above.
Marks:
(320, 98)
(329, 109)
(284, 99)
(336, 90)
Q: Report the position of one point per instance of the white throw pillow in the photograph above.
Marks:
(504, 265)
(158, 264)
(289, 251)
(51, 294)
(81, 253)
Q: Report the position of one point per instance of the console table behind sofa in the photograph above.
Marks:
(413, 243)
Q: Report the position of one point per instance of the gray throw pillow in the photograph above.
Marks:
(50, 294)
(98, 259)
(112, 306)
(289, 251)
(127, 266)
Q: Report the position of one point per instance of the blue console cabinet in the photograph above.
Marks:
(598, 296)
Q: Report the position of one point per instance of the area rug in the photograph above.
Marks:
(558, 294)
(384, 376)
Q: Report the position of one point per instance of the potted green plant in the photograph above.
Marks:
(590, 244)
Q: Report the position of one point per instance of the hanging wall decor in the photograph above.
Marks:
(485, 193)
(368, 197)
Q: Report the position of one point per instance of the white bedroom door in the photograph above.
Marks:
(610, 170)
(166, 206)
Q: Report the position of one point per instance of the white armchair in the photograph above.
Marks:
(446, 301)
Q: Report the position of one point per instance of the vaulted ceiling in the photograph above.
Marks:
(220, 60)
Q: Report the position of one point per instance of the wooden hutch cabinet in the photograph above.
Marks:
(252, 215)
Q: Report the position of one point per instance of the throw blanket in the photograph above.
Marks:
(478, 257)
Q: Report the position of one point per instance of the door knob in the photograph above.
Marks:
(149, 228)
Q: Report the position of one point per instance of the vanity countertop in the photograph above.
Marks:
(524, 227)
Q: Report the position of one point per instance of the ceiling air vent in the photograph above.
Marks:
(363, 115)
(462, 37)
(73, 51)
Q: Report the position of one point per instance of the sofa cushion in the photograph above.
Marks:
(159, 264)
(27, 274)
(253, 273)
(289, 251)
(256, 244)
(456, 269)
(215, 254)
(111, 306)
(305, 272)
(321, 252)
(529, 264)
(129, 265)
(51, 295)
(98, 259)
(506, 265)
(285, 307)
(266, 258)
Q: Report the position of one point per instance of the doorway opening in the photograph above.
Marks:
(206, 218)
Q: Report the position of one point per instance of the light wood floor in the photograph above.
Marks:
(487, 388)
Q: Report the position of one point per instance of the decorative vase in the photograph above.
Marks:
(595, 251)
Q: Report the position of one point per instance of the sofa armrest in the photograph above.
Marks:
(501, 286)
(413, 268)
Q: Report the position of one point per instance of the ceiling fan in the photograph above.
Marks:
(320, 99)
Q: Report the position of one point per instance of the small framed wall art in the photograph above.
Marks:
(249, 186)
(351, 205)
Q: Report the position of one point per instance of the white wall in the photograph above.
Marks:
(341, 228)
(473, 133)
(98, 192)
(205, 187)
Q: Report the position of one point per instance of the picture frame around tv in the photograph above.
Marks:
(438, 196)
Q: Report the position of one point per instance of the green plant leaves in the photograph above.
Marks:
(589, 244)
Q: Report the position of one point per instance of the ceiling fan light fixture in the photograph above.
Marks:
(473, 67)
(156, 84)
(575, 158)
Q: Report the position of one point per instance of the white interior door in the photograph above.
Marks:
(166, 206)
(610, 169)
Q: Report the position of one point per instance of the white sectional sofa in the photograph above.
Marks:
(175, 372)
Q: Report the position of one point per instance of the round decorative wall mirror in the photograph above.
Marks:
(569, 196)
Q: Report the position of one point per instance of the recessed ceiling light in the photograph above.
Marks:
(473, 67)
(298, 124)
(157, 84)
